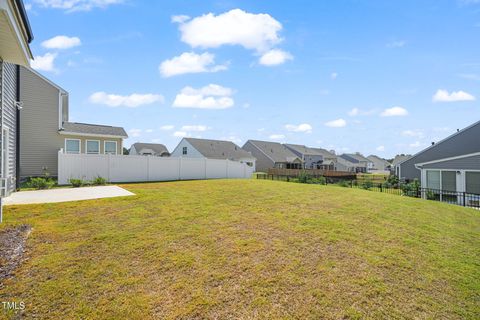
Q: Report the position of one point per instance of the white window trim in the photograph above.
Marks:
(105, 144)
(86, 146)
(79, 146)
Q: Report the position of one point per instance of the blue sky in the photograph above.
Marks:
(382, 77)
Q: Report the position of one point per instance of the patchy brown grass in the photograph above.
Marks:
(248, 249)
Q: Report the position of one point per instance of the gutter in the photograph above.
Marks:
(26, 22)
(17, 132)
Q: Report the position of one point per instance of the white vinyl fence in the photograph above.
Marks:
(120, 168)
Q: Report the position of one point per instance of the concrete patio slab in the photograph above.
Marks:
(66, 194)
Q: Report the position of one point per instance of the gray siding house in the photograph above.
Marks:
(272, 155)
(15, 37)
(149, 149)
(463, 142)
(379, 165)
(312, 158)
(361, 164)
(212, 149)
(45, 129)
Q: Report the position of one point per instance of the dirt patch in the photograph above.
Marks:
(12, 249)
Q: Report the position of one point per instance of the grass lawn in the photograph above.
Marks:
(230, 249)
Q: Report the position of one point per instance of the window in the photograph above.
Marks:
(110, 147)
(433, 179)
(72, 146)
(472, 182)
(184, 150)
(449, 180)
(93, 147)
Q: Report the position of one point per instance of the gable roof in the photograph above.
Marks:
(218, 149)
(275, 151)
(325, 153)
(158, 148)
(92, 130)
(459, 132)
(345, 162)
(303, 149)
(373, 157)
(400, 158)
(354, 158)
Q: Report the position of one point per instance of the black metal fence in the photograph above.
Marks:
(402, 189)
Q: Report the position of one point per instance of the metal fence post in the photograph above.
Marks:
(464, 200)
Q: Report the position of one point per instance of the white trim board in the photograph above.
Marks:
(447, 159)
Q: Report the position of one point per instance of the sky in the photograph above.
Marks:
(370, 76)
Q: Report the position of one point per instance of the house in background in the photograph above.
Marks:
(15, 38)
(212, 149)
(149, 149)
(272, 155)
(452, 164)
(379, 165)
(311, 158)
(45, 129)
(329, 158)
(343, 164)
(399, 158)
(361, 164)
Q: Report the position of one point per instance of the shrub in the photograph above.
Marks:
(41, 183)
(367, 185)
(344, 183)
(99, 181)
(76, 183)
(304, 177)
(319, 180)
(411, 189)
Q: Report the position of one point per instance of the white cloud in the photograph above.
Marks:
(445, 96)
(180, 134)
(181, 18)
(380, 148)
(339, 123)
(134, 133)
(416, 144)
(167, 127)
(354, 112)
(149, 130)
(304, 127)
(277, 136)
(61, 42)
(275, 57)
(396, 44)
(132, 101)
(45, 62)
(77, 5)
(334, 76)
(413, 133)
(394, 112)
(197, 128)
(28, 6)
(470, 76)
(212, 96)
(258, 32)
(190, 62)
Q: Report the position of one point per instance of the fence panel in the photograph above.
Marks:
(119, 168)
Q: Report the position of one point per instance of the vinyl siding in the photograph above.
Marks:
(39, 124)
(469, 163)
(191, 151)
(464, 142)
(9, 119)
(263, 162)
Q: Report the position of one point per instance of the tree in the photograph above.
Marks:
(125, 151)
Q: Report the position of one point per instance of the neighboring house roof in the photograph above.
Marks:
(374, 158)
(400, 158)
(345, 162)
(157, 148)
(433, 146)
(218, 149)
(354, 158)
(275, 151)
(303, 149)
(92, 130)
(326, 154)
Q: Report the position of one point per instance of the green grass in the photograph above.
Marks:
(248, 249)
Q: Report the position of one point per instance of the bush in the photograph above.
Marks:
(411, 189)
(344, 183)
(304, 177)
(319, 180)
(99, 181)
(367, 185)
(76, 183)
(41, 183)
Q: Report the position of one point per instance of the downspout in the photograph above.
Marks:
(17, 149)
